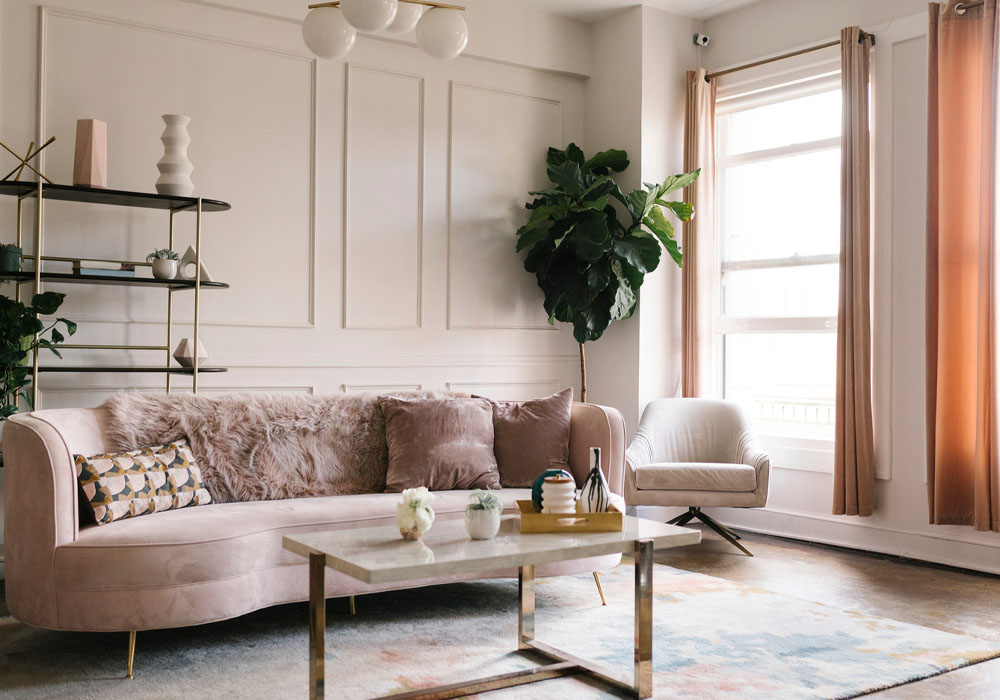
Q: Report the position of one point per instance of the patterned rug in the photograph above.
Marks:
(713, 640)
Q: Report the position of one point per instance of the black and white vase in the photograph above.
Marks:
(595, 496)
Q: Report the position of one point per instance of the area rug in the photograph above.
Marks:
(713, 639)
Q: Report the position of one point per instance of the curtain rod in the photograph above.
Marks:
(765, 61)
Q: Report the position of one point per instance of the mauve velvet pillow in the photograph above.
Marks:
(530, 437)
(442, 444)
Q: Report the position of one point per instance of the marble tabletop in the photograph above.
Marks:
(380, 555)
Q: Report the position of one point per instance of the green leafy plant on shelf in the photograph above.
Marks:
(21, 332)
(590, 245)
(162, 254)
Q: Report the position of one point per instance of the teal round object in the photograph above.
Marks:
(536, 489)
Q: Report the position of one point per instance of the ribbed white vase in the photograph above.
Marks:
(175, 168)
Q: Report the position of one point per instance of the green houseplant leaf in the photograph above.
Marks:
(590, 245)
(21, 333)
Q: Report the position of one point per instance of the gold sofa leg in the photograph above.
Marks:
(597, 580)
(350, 602)
(131, 653)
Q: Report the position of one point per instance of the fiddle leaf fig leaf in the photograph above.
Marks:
(682, 210)
(640, 251)
(567, 175)
(611, 159)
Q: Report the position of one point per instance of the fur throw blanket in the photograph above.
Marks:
(260, 447)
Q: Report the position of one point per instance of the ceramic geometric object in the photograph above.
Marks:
(186, 269)
(90, 164)
(185, 355)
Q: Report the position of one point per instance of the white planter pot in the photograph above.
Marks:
(482, 524)
(164, 269)
(175, 168)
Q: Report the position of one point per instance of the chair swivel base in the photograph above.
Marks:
(725, 532)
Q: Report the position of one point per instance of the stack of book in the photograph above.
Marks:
(103, 269)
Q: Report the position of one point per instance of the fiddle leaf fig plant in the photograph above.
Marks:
(590, 245)
(19, 324)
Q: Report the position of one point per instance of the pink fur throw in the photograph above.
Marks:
(261, 447)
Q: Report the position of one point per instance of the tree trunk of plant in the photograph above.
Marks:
(583, 375)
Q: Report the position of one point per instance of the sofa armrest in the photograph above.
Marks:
(40, 504)
(750, 452)
(598, 426)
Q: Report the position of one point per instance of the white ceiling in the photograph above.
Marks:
(593, 10)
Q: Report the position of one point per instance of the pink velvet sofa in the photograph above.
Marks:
(199, 564)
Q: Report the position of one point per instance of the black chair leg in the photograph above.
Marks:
(722, 530)
(682, 519)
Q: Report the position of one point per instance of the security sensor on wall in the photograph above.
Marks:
(701, 39)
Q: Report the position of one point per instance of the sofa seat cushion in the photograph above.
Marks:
(695, 476)
(224, 540)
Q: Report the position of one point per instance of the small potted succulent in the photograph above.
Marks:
(414, 514)
(10, 257)
(482, 515)
(164, 263)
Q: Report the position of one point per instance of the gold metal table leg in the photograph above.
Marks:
(597, 580)
(317, 625)
(644, 618)
(525, 606)
(350, 603)
(131, 654)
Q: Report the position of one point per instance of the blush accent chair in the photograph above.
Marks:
(696, 453)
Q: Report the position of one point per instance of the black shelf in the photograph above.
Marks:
(127, 370)
(69, 278)
(121, 198)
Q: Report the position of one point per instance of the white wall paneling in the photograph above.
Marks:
(255, 153)
(383, 199)
(490, 175)
(508, 391)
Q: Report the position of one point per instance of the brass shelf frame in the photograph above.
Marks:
(196, 205)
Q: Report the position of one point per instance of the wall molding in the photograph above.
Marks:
(391, 361)
(379, 388)
(551, 385)
(449, 218)
(348, 69)
(45, 13)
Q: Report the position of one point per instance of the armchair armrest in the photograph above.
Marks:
(749, 451)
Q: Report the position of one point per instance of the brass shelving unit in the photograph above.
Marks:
(173, 205)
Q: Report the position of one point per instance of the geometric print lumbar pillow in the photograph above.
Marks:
(140, 482)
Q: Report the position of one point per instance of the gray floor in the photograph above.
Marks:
(946, 599)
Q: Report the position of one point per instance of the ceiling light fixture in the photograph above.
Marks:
(329, 30)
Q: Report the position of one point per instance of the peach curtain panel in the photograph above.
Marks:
(854, 445)
(963, 476)
(698, 271)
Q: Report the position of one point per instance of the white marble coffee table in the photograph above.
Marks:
(379, 555)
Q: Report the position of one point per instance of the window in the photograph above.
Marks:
(778, 219)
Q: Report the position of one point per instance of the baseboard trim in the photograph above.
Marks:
(962, 553)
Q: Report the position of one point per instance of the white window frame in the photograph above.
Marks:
(788, 452)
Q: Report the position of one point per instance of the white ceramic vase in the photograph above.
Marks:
(164, 269)
(175, 168)
(482, 524)
(558, 495)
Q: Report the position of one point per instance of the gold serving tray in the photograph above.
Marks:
(533, 522)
